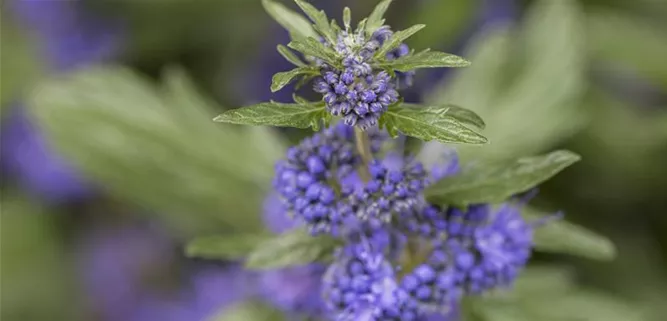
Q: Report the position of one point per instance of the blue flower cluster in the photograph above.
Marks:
(379, 274)
(357, 92)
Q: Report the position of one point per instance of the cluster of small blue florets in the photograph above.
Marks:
(357, 92)
(463, 252)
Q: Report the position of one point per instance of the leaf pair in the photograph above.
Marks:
(260, 251)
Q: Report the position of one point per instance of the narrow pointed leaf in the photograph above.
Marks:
(495, 182)
(290, 56)
(396, 40)
(292, 248)
(277, 114)
(425, 59)
(282, 79)
(298, 26)
(461, 114)
(224, 247)
(428, 125)
(347, 18)
(559, 236)
(312, 47)
(376, 19)
(319, 18)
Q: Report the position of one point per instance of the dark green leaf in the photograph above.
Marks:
(425, 59)
(296, 247)
(278, 114)
(396, 40)
(281, 79)
(290, 56)
(494, 182)
(298, 26)
(559, 236)
(155, 150)
(425, 125)
(461, 114)
(376, 19)
(224, 247)
(319, 18)
(312, 47)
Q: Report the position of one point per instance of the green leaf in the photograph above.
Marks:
(319, 18)
(156, 149)
(278, 114)
(290, 56)
(21, 64)
(281, 79)
(298, 26)
(347, 18)
(296, 247)
(224, 247)
(376, 19)
(494, 182)
(312, 47)
(560, 236)
(248, 311)
(425, 125)
(461, 114)
(396, 40)
(425, 59)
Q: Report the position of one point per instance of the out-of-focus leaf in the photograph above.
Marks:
(494, 182)
(425, 59)
(298, 26)
(529, 97)
(461, 114)
(281, 79)
(396, 39)
(559, 236)
(319, 18)
(376, 19)
(452, 18)
(296, 247)
(161, 152)
(36, 283)
(429, 124)
(312, 47)
(21, 66)
(248, 311)
(224, 247)
(290, 56)
(277, 114)
(618, 39)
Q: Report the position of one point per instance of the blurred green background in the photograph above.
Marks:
(110, 160)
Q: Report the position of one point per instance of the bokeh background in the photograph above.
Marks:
(110, 161)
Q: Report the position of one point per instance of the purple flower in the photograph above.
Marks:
(28, 156)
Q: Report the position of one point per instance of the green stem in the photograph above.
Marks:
(364, 149)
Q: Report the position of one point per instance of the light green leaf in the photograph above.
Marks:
(157, 151)
(292, 248)
(298, 26)
(281, 79)
(461, 114)
(347, 18)
(376, 19)
(396, 40)
(495, 182)
(278, 114)
(559, 236)
(224, 247)
(290, 56)
(248, 311)
(425, 59)
(425, 125)
(312, 47)
(319, 18)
